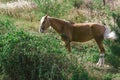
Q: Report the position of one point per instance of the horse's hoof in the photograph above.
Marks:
(99, 64)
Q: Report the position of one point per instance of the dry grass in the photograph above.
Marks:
(27, 25)
(20, 4)
(19, 9)
(22, 12)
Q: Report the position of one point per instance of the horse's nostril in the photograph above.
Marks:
(41, 30)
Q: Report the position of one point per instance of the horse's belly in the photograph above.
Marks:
(82, 36)
(82, 39)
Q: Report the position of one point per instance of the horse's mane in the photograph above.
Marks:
(68, 21)
(71, 22)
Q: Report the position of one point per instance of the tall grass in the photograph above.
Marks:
(18, 9)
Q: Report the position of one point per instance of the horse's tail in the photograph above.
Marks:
(109, 35)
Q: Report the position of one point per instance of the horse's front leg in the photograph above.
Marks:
(67, 41)
(68, 46)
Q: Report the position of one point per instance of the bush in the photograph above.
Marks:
(6, 26)
(25, 56)
(107, 77)
(115, 45)
(115, 48)
(80, 74)
(113, 60)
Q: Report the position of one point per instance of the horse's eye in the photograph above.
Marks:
(42, 28)
(43, 22)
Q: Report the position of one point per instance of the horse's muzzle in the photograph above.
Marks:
(41, 30)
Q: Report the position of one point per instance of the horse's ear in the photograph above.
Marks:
(46, 16)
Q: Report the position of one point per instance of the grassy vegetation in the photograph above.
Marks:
(26, 54)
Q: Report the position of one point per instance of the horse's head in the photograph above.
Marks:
(44, 24)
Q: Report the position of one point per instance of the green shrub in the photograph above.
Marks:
(53, 7)
(114, 46)
(80, 74)
(107, 77)
(6, 26)
(113, 60)
(25, 56)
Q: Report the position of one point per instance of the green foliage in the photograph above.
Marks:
(79, 18)
(53, 7)
(6, 26)
(113, 60)
(25, 56)
(107, 77)
(95, 5)
(107, 11)
(80, 74)
(87, 51)
(115, 45)
(76, 3)
(7, 0)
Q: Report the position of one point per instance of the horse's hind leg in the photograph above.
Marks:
(102, 52)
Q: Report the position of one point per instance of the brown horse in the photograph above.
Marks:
(78, 32)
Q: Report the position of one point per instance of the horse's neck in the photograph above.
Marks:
(57, 24)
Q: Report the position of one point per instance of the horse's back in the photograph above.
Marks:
(96, 28)
(81, 32)
(86, 31)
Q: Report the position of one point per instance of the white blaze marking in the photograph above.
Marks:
(42, 20)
